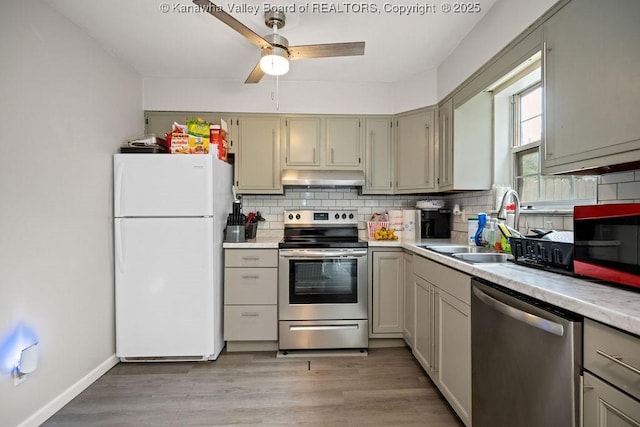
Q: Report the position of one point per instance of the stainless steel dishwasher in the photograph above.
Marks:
(526, 360)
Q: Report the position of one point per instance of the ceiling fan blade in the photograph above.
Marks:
(256, 74)
(326, 50)
(218, 12)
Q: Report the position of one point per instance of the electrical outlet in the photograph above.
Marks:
(17, 378)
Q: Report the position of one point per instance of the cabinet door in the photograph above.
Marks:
(302, 141)
(454, 353)
(415, 152)
(343, 141)
(605, 406)
(445, 146)
(409, 324)
(388, 298)
(592, 97)
(258, 158)
(378, 161)
(424, 345)
(232, 129)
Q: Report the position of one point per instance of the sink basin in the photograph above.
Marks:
(458, 249)
(482, 257)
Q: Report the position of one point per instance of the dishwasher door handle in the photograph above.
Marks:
(523, 316)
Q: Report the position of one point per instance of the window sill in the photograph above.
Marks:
(541, 211)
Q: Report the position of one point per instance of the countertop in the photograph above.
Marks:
(610, 305)
(266, 242)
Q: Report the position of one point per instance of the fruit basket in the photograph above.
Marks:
(375, 227)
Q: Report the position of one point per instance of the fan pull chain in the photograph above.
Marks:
(275, 93)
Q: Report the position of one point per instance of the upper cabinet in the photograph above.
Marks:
(591, 60)
(465, 146)
(257, 169)
(415, 151)
(344, 147)
(322, 142)
(302, 141)
(378, 157)
(445, 145)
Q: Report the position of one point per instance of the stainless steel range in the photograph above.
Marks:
(322, 281)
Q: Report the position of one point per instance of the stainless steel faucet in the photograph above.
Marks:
(502, 212)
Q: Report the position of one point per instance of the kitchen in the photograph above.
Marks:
(65, 195)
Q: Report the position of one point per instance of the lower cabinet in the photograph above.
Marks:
(387, 293)
(425, 334)
(409, 324)
(443, 331)
(250, 295)
(454, 352)
(612, 398)
(606, 406)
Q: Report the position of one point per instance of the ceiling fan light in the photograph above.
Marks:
(275, 63)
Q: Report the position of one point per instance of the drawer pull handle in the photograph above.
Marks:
(250, 314)
(250, 258)
(618, 360)
(252, 276)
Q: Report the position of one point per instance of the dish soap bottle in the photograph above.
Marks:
(482, 221)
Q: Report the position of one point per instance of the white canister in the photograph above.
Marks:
(472, 227)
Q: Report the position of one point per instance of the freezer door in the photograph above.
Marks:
(163, 185)
(165, 283)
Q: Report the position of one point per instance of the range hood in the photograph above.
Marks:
(322, 178)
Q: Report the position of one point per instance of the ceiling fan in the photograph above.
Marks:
(276, 52)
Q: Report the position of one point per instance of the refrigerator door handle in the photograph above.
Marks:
(119, 246)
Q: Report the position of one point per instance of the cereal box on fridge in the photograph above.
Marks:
(220, 137)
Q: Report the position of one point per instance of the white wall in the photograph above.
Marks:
(294, 96)
(65, 107)
(501, 24)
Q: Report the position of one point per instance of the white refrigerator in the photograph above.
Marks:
(169, 216)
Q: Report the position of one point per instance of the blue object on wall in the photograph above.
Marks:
(18, 339)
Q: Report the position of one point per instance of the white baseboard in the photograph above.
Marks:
(44, 413)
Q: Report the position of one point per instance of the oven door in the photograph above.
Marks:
(322, 284)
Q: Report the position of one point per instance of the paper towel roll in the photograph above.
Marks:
(409, 224)
(395, 221)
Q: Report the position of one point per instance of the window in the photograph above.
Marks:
(533, 187)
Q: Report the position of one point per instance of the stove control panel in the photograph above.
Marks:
(320, 217)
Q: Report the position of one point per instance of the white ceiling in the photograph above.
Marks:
(197, 46)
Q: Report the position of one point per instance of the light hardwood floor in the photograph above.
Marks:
(385, 388)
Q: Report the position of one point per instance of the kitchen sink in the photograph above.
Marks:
(483, 257)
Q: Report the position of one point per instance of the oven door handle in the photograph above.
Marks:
(321, 254)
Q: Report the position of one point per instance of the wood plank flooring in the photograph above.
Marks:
(385, 388)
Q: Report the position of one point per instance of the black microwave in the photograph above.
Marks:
(607, 242)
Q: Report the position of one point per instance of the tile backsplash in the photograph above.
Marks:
(272, 207)
(621, 187)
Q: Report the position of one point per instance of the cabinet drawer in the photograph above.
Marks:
(613, 355)
(250, 257)
(251, 285)
(449, 280)
(250, 322)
